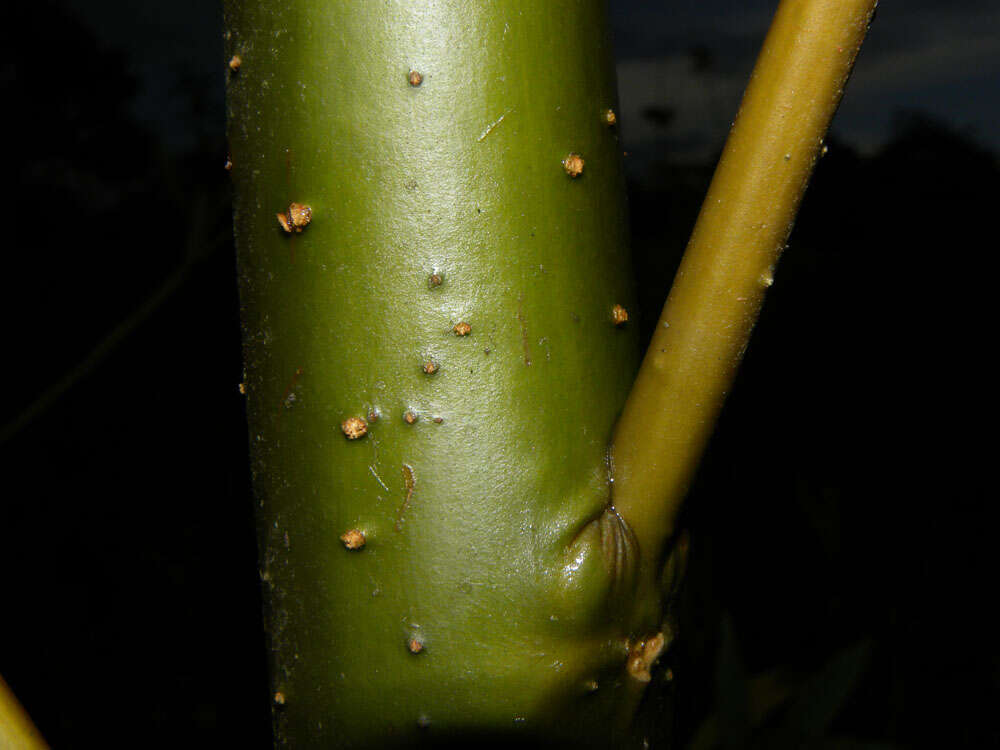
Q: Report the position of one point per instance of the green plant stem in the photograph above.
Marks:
(433, 143)
(729, 263)
(16, 730)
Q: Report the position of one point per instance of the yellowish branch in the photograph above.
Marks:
(16, 730)
(743, 226)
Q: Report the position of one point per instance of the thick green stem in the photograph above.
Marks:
(434, 290)
(729, 263)
(434, 366)
(16, 730)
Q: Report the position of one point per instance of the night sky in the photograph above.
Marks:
(842, 522)
(942, 58)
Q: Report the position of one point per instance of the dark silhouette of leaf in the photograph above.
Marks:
(823, 695)
(732, 690)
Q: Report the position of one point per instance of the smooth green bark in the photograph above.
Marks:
(504, 561)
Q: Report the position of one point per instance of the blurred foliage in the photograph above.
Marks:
(775, 710)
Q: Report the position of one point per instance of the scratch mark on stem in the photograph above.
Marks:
(492, 126)
(288, 187)
(410, 480)
(524, 330)
(289, 398)
(371, 468)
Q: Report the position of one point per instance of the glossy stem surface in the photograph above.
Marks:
(434, 366)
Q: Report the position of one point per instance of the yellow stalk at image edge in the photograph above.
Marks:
(16, 730)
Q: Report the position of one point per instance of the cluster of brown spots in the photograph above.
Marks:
(643, 655)
(409, 417)
(235, 62)
(414, 78)
(619, 315)
(609, 117)
(296, 218)
(243, 388)
(430, 367)
(354, 427)
(438, 420)
(372, 416)
(353, 539)
(299, 215)
(462, 329)
(434, 280)
(415, 645)
(573, 164)
(279, 698)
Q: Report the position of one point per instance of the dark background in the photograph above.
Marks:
(841, 564)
